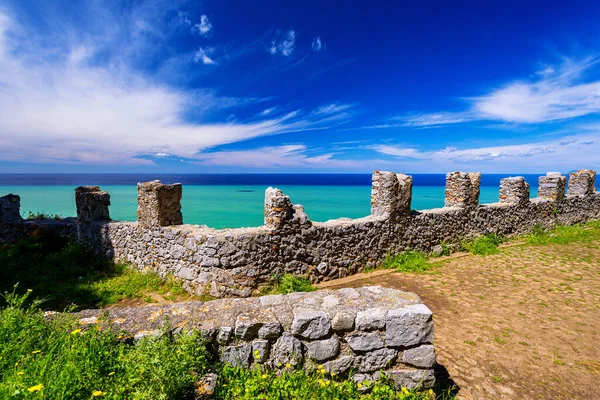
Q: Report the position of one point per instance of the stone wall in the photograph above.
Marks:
(11, 222)
(236, 262)
(366, 331)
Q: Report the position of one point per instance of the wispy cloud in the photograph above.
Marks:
(203, 27)
(317, 45)
(57, 106)
(201, 55)
(554, 93)
(284, 45)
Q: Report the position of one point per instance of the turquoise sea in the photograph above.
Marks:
(230, 206)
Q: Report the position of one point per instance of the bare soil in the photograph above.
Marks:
(522, 324)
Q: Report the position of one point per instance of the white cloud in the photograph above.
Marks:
(56, 107)
(286, 45)
(566, 153)
(203, 27)
(317, 45)
(201, 56)
(556, 93)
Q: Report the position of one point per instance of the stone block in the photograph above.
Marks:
(422, 356)
(322, 350)
(412, 379)
(159, 204)
(310, 324)
(11, 222)
(343, 321)
(360, 341)
(462, 189)
(287, 350)
(92, 204)
(339, 366)
(260, 350)
(237, 356)
(278, 209)
(552, 186)
(409, 326)
(582, 182)
(514, 190)
(391, 194)
(376, 360)
(371, 319)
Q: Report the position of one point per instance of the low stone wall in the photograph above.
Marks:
(365, 331)
(236, 262)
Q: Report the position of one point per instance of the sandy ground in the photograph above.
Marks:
(522, 324)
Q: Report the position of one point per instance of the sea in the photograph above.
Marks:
(232, 200)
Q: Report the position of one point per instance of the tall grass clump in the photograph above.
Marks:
(563, 234)
(289, 283)
(407, 261)
(483, 245)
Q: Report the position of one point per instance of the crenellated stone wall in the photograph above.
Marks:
(236, 262)
(11, 222)
(366, 331)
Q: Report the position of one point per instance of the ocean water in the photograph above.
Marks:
(230, 201)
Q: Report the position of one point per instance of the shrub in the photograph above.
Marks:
(289, 283)
(407, 261)
(483, 245)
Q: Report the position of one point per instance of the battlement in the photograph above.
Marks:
(235, 262)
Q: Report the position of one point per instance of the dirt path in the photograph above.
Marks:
(523, 324)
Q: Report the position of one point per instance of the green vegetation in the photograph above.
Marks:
(288, 283)
(483, 245)
(53, 358)
(65, 273)
(562, 234)
(408, 261)
(32, 215)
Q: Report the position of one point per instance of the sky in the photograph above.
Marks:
(300, 87)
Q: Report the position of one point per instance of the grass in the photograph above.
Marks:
(483, 245)
(562, 234)
(288, 283)
(408, 261)
(54, 359)
(65, 273)
(32, 215)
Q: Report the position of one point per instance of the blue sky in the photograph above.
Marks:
(306, 86)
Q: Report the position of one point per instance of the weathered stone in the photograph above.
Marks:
(322, 268)
(391, 194)
(310, 324)
(322, 350)
(343, 321)
(270, 330)
(205, 387)
(582, 182)
(92, 204)
(287, 350)
(248, 325)
(412, 379)
(359, 341)
(371, 319)
(237, 356)
(409, 326)
(260, 350)
(376, 360)
(514, 190)
(11, 222)
(224, 335)
(339, 366)
(278, 209)
(552, 186)
(422, 356)
(462, 189)
(159, 204)
(187, 274)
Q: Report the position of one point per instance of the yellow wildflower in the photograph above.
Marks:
(76, 331)
(29, 290)
(288, 365)
(20, 373)
(405, 390)
(263, 376)
(111, 373)
(36, 351)
(98, 393)
(321, 382)
(359, 385)
(35, 388)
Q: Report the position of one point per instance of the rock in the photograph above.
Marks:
(422, 356)
(363, 381)
(187, 274)
(343, 321)
(371, 319)
(287, 350)
(409, 326)
(310, 324)
(248, 325)
(375, 360)
(437, 251)
(322, 350)
(149, 334)
(260, 350)
(322, 268)
(340, 365)
(359, 341)
(270, 330)
(224, 334)
(205, 387)
(237, 356)
(412, 379)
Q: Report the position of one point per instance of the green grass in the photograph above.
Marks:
(65, 273)
(32, 215)
(562, 234)
(408, 261)
(483, 245)
(289, 283)
(54, 359)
